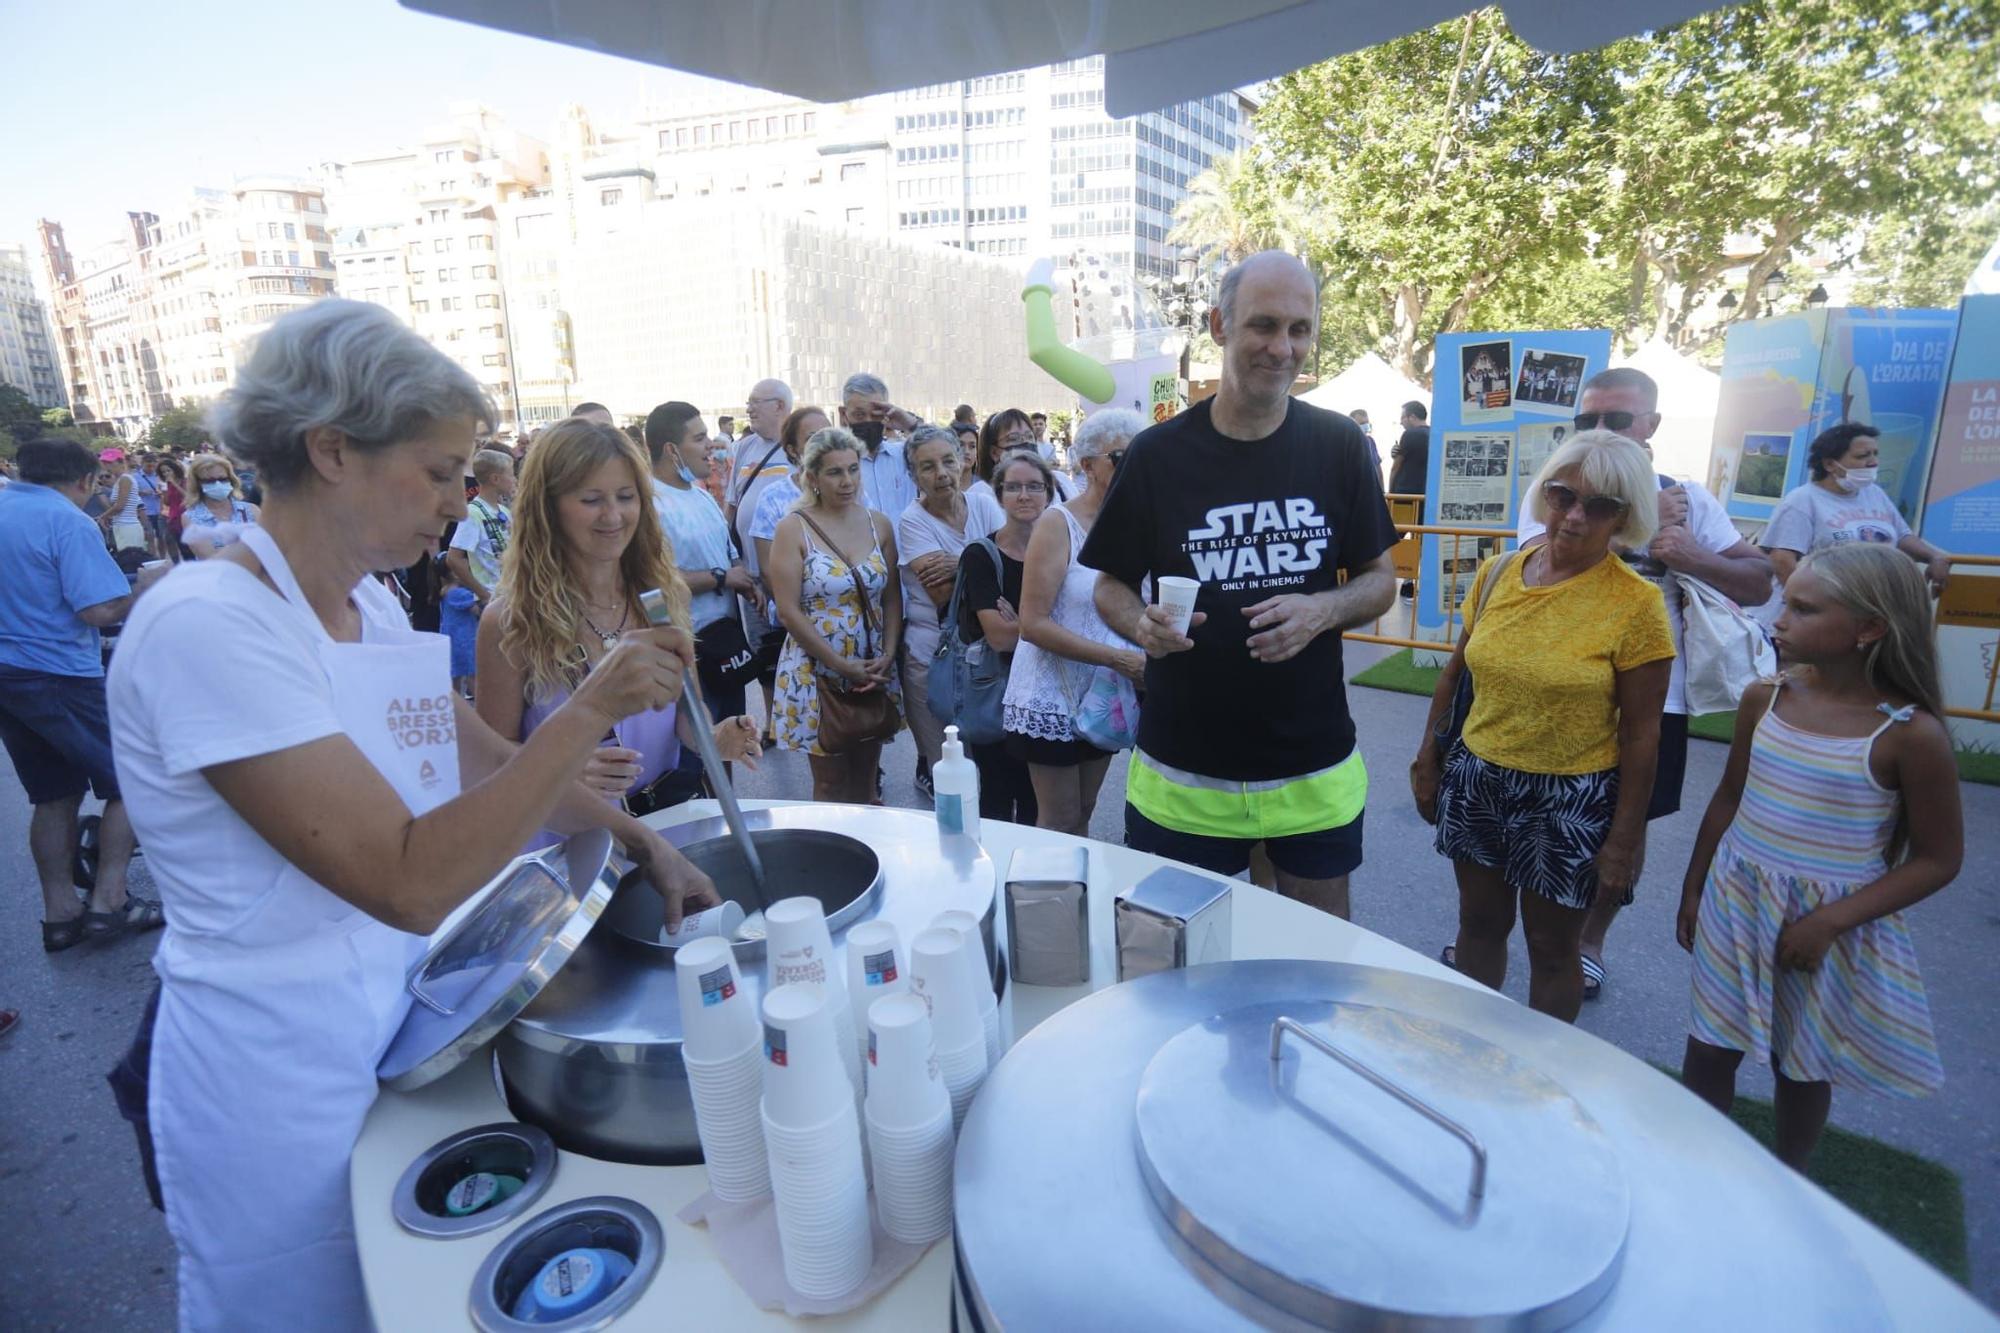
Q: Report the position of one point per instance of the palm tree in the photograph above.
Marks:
(1229, 214)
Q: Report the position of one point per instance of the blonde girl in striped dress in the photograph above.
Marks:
(1839, 809)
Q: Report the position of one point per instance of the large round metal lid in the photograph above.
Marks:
(484, 969)
(1357, 1165)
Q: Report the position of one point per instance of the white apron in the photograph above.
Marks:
(265, 1048)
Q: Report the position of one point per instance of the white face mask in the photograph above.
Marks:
(1853, 479)
(215, 490)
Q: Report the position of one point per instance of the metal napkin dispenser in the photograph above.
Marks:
(1171, 918)
(1048, 916)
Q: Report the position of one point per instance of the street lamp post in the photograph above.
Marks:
(1184, 300)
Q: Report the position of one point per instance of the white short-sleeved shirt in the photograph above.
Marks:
(1709, 522)
(214, 666)
(474, 536)
(918, 533)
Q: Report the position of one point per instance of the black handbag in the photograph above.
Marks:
(723, 657)
(1449, 727)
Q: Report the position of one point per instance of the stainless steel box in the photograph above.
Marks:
(1171, 918)
(1048, 916)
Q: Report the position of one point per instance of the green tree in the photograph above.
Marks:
(179, 427)
(1923, 260)
(1778, 123)
(57, 416)
(19, 416)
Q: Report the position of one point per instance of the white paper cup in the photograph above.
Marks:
(938, 974)
(972, 953)
(727, 1098)
(912, 1178)
(717, 921)
(963, 1070)
(1177, 594)
(718, 1020)
(876, 967)
(797, 945)
(805, 1081)
(904, 1086)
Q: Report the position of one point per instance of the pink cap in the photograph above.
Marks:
(112, 456)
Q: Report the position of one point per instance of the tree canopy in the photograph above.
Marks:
(1456, 178)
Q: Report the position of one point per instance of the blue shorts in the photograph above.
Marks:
(1322, 854)
(58, 734)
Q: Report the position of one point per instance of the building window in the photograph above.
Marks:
(440, 245)
(483, 271)
(291, 232)
(810, 118)
(493, 359)
(421, 307)
(447, 275)
(701, 136)
(735, 130)
(857, 215)
(791, 124)
(608, 198)
(486, 302)
(853, 171)
(448, 303)
(755, 129)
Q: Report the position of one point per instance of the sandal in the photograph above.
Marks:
(83, 857)
(137, 916)
(1449, 956)
(60, 935)
(1593, 977)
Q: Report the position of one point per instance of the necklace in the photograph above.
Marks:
(609, 637)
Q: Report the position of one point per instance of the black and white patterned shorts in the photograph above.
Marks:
(1541, 831)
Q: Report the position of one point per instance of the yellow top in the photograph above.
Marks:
(1544, 663)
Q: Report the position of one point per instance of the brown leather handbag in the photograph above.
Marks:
(849, 717)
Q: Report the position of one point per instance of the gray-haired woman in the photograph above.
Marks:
(1063, 639)
(292, 756)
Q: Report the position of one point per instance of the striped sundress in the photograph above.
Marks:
(1812, 828)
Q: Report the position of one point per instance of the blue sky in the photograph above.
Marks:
(111, 105)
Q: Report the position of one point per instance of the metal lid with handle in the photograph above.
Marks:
(496, 958)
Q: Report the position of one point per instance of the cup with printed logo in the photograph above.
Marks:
(909, 1123)
(1177, 594)
(876, 968)
(718, 1018)
(904, 1085)
(719, 921)
(798, 947)
(972, 946)
(805, 1080)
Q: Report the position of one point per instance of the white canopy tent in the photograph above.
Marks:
(1688, 395)
(1373, 384)
(1157, 52)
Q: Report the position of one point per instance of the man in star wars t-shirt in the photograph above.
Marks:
(1244, 735)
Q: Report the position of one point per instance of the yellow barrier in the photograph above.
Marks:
(1968, 602)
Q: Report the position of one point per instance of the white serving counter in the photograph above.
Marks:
(416, 1283)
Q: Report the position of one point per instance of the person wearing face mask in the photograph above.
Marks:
(217, 513)
(865, 409)
(1842, 503)
(314, 800)
(1004, 432)
(1694, 537)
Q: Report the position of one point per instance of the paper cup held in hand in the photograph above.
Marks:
(718, 1020)
(721, 921)
(1177, 594)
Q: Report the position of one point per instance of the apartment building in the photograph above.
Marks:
(419, 233)
(162, 314)
(27, 354)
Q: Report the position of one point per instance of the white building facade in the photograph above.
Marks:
(27, 352)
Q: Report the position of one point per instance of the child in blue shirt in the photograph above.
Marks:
(458, 620)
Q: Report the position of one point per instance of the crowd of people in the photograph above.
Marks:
(317, 781)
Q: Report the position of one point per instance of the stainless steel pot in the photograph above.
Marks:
(596, 1058)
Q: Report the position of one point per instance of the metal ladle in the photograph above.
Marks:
(654, 603)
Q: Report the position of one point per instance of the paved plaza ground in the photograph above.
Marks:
(86, 1251)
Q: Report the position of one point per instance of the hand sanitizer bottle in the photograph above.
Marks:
(955, 781)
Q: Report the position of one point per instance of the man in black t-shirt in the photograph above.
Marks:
(1411, 452)
(1244, 736)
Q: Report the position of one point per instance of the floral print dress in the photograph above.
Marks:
(826, 592)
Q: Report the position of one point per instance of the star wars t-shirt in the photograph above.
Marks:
(1252, 520)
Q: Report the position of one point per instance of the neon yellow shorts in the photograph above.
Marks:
(1219, 808)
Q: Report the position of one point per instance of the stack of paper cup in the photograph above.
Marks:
(814, 1145)
(723, 921)
(720, 1047)
(939, 977)
(875, 968)
(801, 950)
(1177, 594)
(973, 948)
(909, 1123)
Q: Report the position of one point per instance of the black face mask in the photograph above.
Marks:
(869, 433)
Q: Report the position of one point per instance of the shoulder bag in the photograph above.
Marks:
(969, 680)
(1726, 650)
(849, 717)
(1449, 727)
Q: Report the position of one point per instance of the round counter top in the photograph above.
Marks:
(419, 1283)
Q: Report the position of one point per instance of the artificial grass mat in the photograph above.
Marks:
(1400, 673)
(1914, 1199)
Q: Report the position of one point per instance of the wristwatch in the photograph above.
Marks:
(718, 574)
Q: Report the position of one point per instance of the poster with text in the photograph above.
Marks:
(1961, 511)
(1485, 380)
(1536, 442)
(1476, 484)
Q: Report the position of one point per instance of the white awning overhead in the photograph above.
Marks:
(1158, 52)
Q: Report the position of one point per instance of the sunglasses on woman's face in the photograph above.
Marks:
(1597, 508)
(1608, 420)
(1114, 457)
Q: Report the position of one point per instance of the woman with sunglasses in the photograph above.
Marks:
(1541, 803)
(1063, 639)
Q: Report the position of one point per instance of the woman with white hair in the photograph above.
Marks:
(314, 800)
(1541, 802)
(1063, 639)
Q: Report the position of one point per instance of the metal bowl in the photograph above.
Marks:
(841, 871)
(596, 1058)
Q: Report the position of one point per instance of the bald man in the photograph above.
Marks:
(1245, 735)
